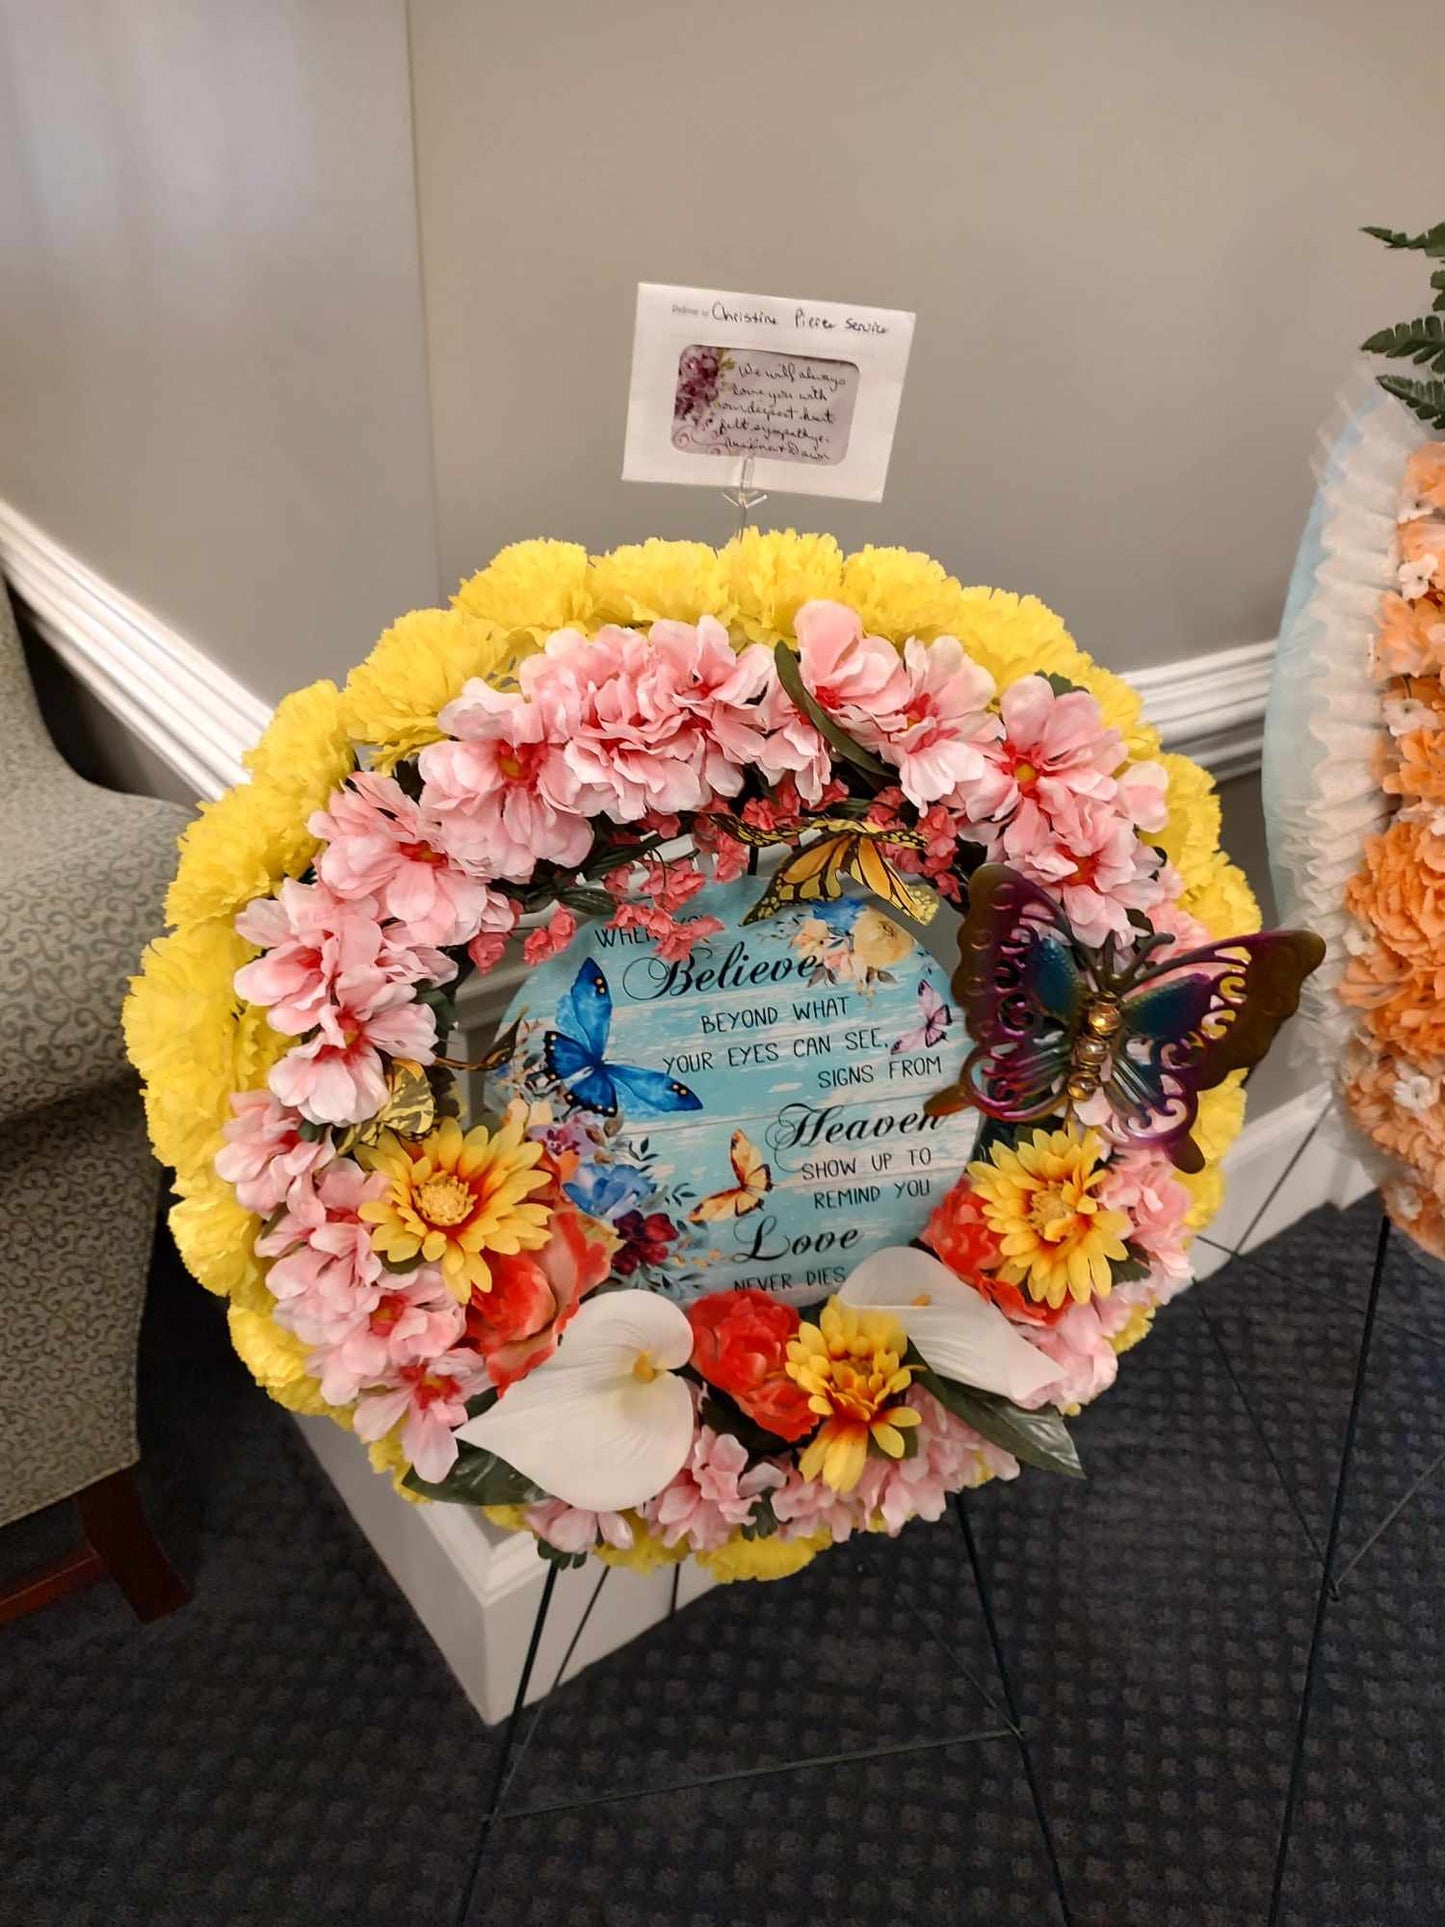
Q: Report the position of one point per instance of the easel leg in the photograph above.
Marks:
(1327, 1576)
(985, 1600)
(509, 1741)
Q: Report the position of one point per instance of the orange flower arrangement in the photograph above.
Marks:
(1394, 1076)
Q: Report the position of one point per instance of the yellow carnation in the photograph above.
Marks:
(191, 1039)
(216, 1236)
(1013, 636)
(1191, 836)
(657, 581)
(771, 573)
(393, 699)
(527, 591)
(1122, 708)
(1221, 1117)
(305, 750)
(1206, 1188)
(770, 1558)
(1217, 893)
(276, 1359)
(900, 593)
(239, 847)
(1136, 1327)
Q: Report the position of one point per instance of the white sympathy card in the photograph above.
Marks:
(806, 391)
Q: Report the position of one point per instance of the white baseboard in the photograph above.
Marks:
(197, 717)
(476, 1590)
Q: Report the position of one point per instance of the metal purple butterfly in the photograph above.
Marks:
(1055, 1022)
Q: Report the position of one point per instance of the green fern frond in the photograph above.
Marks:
(1422, 342)
(1423, 398)
(1431, 242)
(1437, 282)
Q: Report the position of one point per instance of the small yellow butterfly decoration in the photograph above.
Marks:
(410, 1108)
(754, 1181)
(846, 851)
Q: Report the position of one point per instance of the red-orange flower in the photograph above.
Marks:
(959, 1234)
(517, 1323)
(740, 1344)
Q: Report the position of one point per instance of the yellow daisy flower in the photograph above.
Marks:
(849, 1364)
(1039, 1197)
(655, 581)
(393, 699)
(771, 573)
(453, 1198)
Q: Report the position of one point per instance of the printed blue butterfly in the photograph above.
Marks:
(574, 1055)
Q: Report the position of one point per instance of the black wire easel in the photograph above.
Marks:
(515, 1743)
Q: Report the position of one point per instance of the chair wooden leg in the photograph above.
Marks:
(115, 1523)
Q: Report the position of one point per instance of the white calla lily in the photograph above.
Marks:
(960, 1334)
(603, 1424)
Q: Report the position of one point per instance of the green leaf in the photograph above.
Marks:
(1423, 398)
(1035, 1438)
(1431, 242)
(1060, 685)
(478, 1478)
(587, 903)
(790, 675)
(764, 1521)
(719, 1411)
(564, 1561)
(1136, 1265)
(481, 1402)
(1421, 341)
(309, 1133)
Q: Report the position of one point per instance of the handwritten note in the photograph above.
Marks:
(807, 392)
(751, 1115)
(794, 408)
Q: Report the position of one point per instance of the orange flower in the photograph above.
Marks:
(1422, 545)
(1425, 474)
(1420, 776)
(1411, 641)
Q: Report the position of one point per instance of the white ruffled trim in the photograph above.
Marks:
(1325, 795)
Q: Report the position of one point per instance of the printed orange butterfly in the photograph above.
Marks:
(754, 1181)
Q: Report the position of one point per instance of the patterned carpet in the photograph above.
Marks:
(290, 1749)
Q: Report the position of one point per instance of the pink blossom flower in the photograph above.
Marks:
(505, 796)
(859, 679)
(951, 1457)
(338, 1076)
(417, 1320)
(553, 937)
(671, 885)
(570, 1529)
(1144, 1185)
(712, 1495)
(265, 1152)
(720, 687)
(1053, 748)
(1143, 794)
(323, 951)
(790, 746)
(937, 740)
(630, 738)
(1087, 1361)
(674, 940)
(326, 1271)
(382, 845)
(1088, 856)
(430, 1397)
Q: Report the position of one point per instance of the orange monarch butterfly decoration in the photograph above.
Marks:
(846, 852)
(754, 1181)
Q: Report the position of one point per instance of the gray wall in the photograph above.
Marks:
(212, 372)
(1126, 227)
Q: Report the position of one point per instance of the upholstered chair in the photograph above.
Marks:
(82, 876)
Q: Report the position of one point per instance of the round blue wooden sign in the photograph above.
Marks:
(751, 1115)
